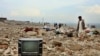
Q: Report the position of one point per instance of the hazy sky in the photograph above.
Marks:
(65, 11)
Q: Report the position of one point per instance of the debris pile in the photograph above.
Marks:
(53, 44)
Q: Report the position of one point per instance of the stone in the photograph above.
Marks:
(7, 51)
(53, 45)
(75, 47)
(97, 47)
(31, 33)
(48, 48)
(1, 51)
(63, 54)
(3, 46)
(28, 29)
(57, 43)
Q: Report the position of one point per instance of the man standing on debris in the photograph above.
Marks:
(81, 27)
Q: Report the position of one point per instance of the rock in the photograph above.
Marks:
(3, 46)
(44, 42)
(63, 54)
(31, 33)
(48, 48)
(74, 47)
(61, 49)
(53, 45)
(97, 47)
(37, 30)
(91, 52)
(57, 43)
(1, 51)
(7, 39)
(15, 52)
(5, 42)
(45, 54)
(28, 29)
(7, 51)
(6, 36)
(42, 32)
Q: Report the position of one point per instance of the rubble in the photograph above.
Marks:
(74, 47)
(53, 45)
(57, 43)
(31, 33)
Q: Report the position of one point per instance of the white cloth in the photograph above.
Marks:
(45, 26)
(60, 30)
(80, 27)
(91, 31)
(81, 31)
